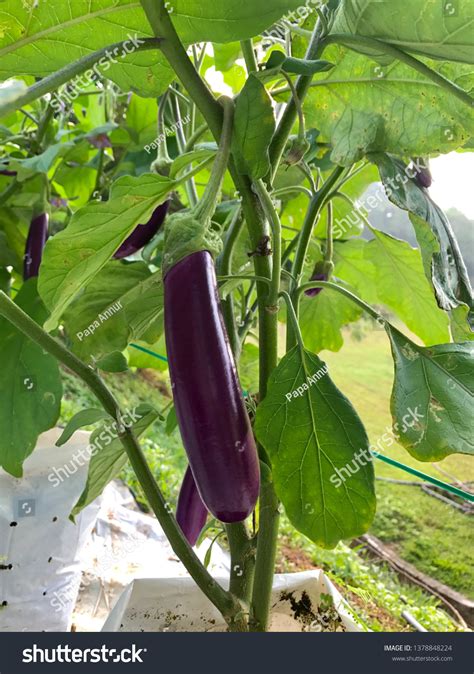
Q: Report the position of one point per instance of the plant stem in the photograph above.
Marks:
(224, 601)
(329, 236)
(343, 291)
(303, 82)
(353, 41)
(249, 56)
(57, 79)
(207, 205)
(192, 140)
(224, 268)
(269, 520)
(273, 218)
(312, 213)
(43, 125)
(190, 186)
(173, 49)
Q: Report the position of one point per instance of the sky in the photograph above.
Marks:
(453, 182)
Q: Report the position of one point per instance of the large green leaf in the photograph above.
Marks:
(107, 454)
(432, 398)
(314, 436)
(30, 386)
(226, 20)
(361, 106)
(74, 256)
(40, 38)
(120, 304)
(323, 317)
(403, 287)
(353, 265)
(442, 259)
(439, 29)
(254, 127)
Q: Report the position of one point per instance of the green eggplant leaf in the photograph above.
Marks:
(226, 20)
(30, 386)
(107, 455)
(442, 259)
(113, 362)
(432, 398)
(74, 256)
(254, 126)
(441, 30)
(83, 418)
(323, 317)
(361, 106)
(122, 303)
(319, 451)
(39, 38)
(403, 287)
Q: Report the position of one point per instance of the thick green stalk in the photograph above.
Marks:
(249, 56)
(224, 601)
(57, 79)
(274, 219)
(242, 557)
(267, 543)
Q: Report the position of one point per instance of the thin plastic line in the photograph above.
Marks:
(439, 483)
(150, 353)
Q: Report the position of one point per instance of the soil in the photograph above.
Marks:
(294, 559)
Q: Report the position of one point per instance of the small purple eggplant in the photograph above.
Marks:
(143, 233)
(37, 237)
(191, 513)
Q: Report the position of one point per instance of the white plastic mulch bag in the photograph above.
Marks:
(301, 602)
(39, 546)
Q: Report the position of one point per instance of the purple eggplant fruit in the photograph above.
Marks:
(191, 513)
(37, 237)
(423, 176)
(215, 427)
(5, 172)
(314, 292)
(142, 234)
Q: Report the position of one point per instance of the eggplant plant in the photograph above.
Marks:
(257, 219)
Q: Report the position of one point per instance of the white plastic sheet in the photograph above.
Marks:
(40, 567)
(301, 602)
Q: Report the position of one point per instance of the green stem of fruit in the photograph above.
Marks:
(227, 604)
(207, 205)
